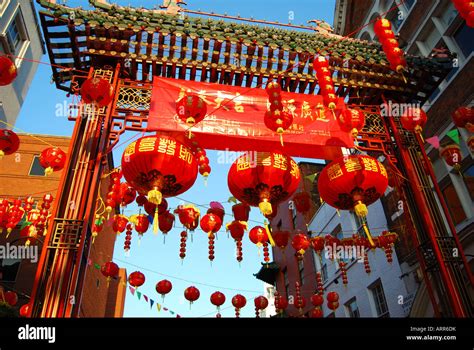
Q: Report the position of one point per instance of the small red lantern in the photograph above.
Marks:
(414, 119)
(217, 209)
(164, 287)
(281, 303)
(463, 117)
(318, 244)
(191, 109)
(238, 301)
(241, 212)
(11, 298)
(452, 156)
(258, 235)
(109, 270)
(8, 71)
(120, 224)
(353, 182)
(217, 299)
(281, 238)
(150, 208)
(9, 142)
(351, 120)
(278, 121)
(237, 230)
(192, 294)
(166, 222)
(316, 313)
(332, 297)
(52, 159)
(302, 201)
(317, 300)
(160, 166)
(136, 279)
(15, 214)
(300, 243)
(261, 303)
(188, 216)
(141, 223)
(270, 178)
(211, 224)
(127, 194)
(381, 25)
(97, 91)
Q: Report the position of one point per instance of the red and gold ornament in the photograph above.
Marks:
(97, 91)
(136, 279)
(260, 303)
(52, 159)
(191, 109)
(109, 270)
(452, 156)
(9, 142)
(463, 117)
(211, 224)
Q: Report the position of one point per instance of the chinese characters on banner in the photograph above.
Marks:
(235, 119)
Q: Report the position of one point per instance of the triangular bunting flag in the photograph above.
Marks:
(97, 266)
(139, 294)
(454, 135)
(158, 307)
(165, 309)
(172, 312)
(151, 303)
(434, 141)
(145, 297)
(132, 290)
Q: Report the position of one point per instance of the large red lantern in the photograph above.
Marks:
(270, 178)
(164, 287)
(9, 142)
(192, 294)
(217, 299)
(351, 120)
(136, 279)
(260, 303)
(191, 109)
(109, 270)
(97, 91)
(300, 243)
(258, 235)
(52, 159)
(8, 71)
(159, 166)
(463, 117)
(414, 119)
(238, 301)
(452, 156)
(352, 183)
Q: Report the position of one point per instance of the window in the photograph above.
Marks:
(15, 35)
(301, 271)
(36, 168)
(352, 308)
(452, 201)
(468, 177)
(409, 3)
(464, 40)
(378, 296)
(324, 272)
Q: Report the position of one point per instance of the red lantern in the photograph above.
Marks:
(8, 71)
(452, 156)
(463, 117)
(270, 178)
(332, 297)
(160, 166)
(191, 109)
(127, 194)
(109, 270)
(300, 243)
(141, 223)
(217, 299)
(191, 294)
(15, 214)
(261, 303)
(166, 222)
(188, 216)
(24, 310)
(281, 238)
(9, 142)
(414, 119)
(211, 224)
(238, 301)
(217, 209)
(318, 244)
(273, 90)
(381, 25)
(182, 247)
(281, 303)
(11, 298)
(164, 287)
(4, 207)
(317, 300)
(237, 230)
(119, 224)
(316, 313)
(302, 201)
(353, 182)
(136, 279)
(333, 305)
(241, 211)
(29, 232)
(278, 121)
(97, 91)
(150, 208)
(351, 120)
(258, 235)
(52, 159)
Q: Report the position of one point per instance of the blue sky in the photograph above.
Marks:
(152, 257)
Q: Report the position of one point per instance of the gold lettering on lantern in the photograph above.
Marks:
(352, 165)
(147, 144)
(334, 172)
(295, 170)
(383, 171)
(267, 161)
(279, 161)
(130, 149)
(167, 146)
(243, 164)
(185, 155)
(370, 164)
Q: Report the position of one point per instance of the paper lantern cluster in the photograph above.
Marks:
(466, 10)
(277, 118)
(326, 84)
(390, 45)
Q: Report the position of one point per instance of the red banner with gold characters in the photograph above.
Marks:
(235, 119)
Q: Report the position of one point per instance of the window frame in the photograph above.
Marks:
(352, 313)
(379, 302)
(16, 19)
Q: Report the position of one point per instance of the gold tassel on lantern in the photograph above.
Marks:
(48, 171)
(270, 238)
(362, 211)
(155, 222)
